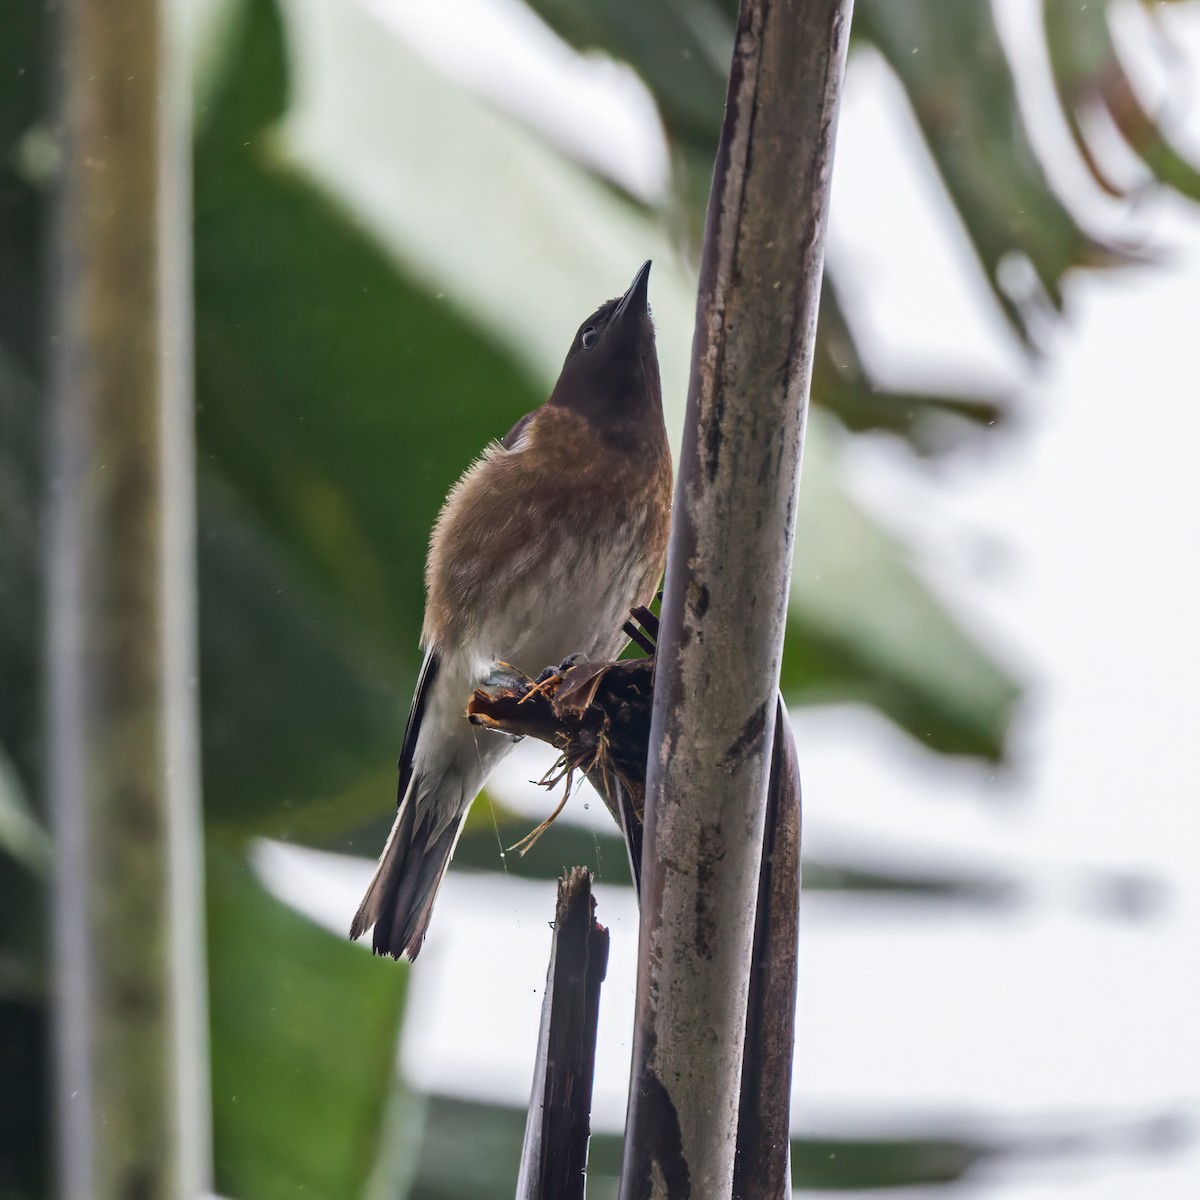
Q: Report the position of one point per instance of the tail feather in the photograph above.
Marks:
(399, 901)
(443, 764)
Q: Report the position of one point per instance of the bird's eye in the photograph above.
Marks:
(587, 339)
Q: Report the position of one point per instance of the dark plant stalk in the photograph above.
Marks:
(131, 1073)
(598, 718)
(559, 1120)
(725, 601)
(761, 1164)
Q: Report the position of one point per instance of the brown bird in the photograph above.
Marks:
(538, 553)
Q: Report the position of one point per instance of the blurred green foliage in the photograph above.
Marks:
(300, 1085)
(339, 392)
(822, 1164)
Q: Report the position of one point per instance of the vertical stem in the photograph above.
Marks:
(761, 1166)
(121, 739)
(725, 604)
(560, 1108)
(180, 634)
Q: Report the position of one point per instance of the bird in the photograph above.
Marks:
(540, 550)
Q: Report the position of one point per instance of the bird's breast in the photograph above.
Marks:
(569, 591)
(540, 555)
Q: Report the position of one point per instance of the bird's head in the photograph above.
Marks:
(611, 370)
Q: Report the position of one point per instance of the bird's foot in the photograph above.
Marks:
(549, 681)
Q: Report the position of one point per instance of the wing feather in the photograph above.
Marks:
(412, 728)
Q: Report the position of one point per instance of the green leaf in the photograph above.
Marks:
(504, 229)
(891, 659)
(294, 711)
(20, 569)
(23, 934)
(471, 1151)
(25, 1102)
(930, 424)
(304, 1029)
(24, 848)
(1088, 73)
(682, 51)
(864, 626)
(960, 85)
(339, 398)
(957, 78)
(337, 402)
(21, 834)
(24, 100)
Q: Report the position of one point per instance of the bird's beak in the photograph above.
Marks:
(633, 302)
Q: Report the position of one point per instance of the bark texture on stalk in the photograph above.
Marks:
(762, 1163)
(725, 603)
(598, 718)
(560, 1109)
(133, 1108)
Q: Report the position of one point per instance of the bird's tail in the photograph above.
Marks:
(414, 861)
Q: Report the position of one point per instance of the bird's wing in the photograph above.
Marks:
(513, 436)
(429, 670)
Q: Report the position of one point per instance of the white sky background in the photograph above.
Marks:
(1071, 541)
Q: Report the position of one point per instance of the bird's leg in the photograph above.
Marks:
(549, 680)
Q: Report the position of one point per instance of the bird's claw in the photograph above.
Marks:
(551, 678)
